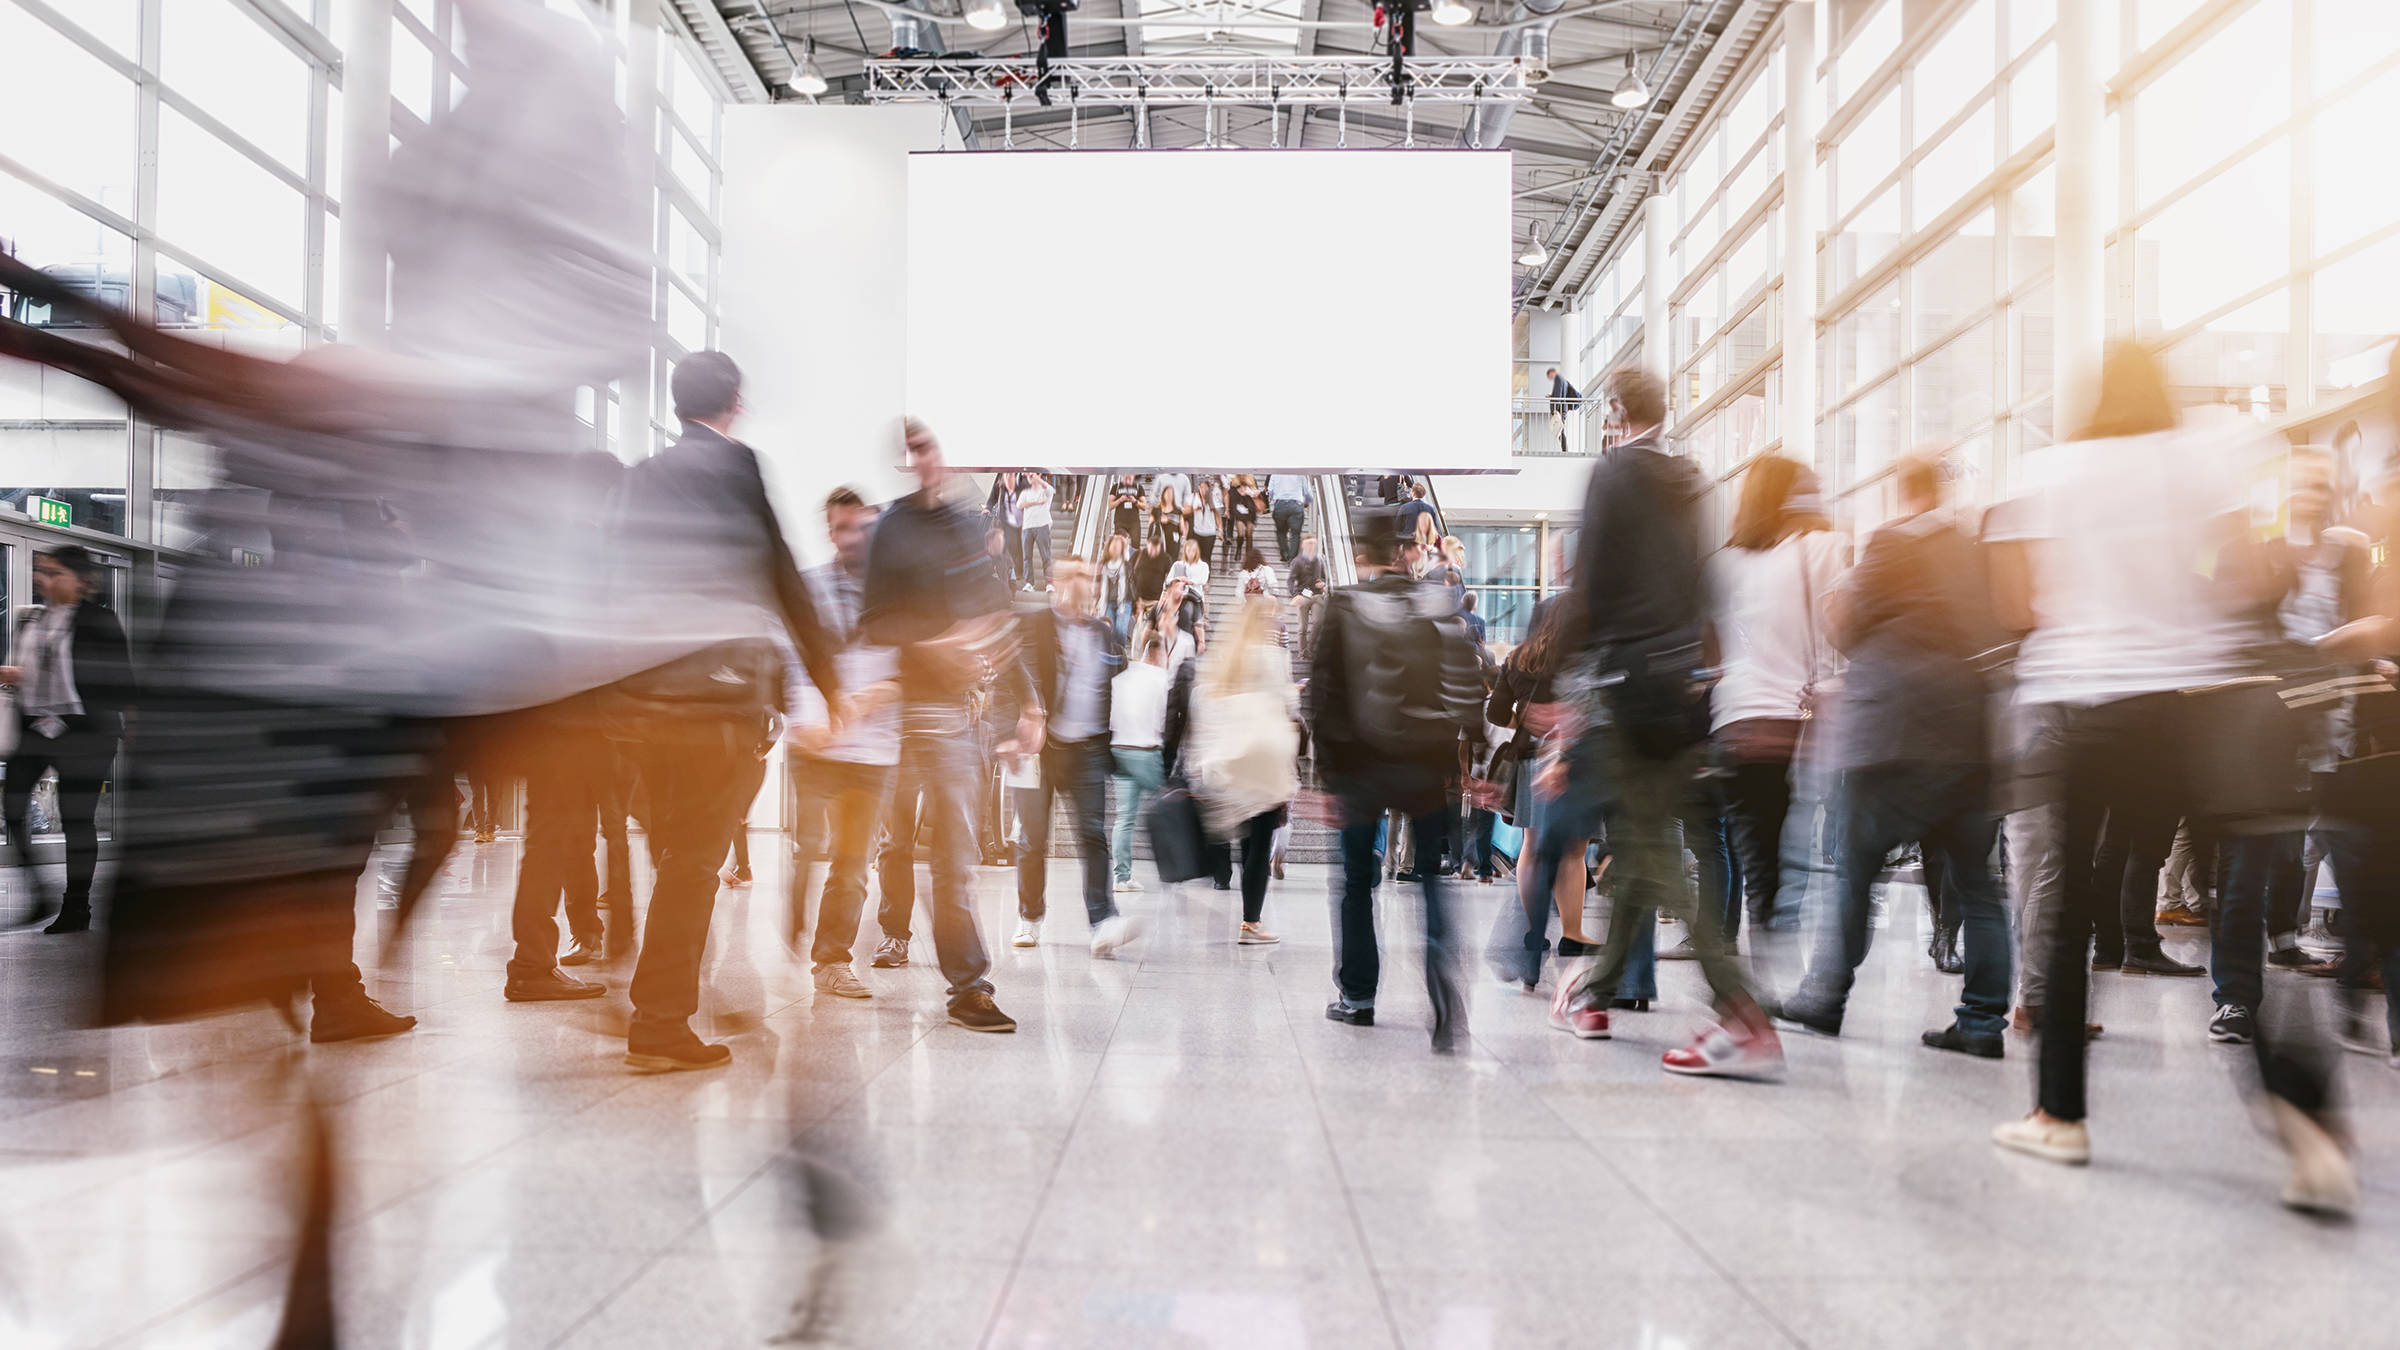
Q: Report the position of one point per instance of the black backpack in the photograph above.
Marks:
(1405, 649)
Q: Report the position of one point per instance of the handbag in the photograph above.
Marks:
(1178, 841)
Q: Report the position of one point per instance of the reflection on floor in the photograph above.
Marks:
(1176, 1150)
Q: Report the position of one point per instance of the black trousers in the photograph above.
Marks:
(81, 757)
(697, 776)
(2134, 842)
(1758, 797)
(567, 775)
(1258, 847)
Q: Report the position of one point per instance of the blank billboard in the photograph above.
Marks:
(1236, 310)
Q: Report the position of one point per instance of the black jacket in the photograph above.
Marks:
(1351, 766)
(1038, 632)
(926, 572)
(1307, 574)
(1638, 568)
(104, 678)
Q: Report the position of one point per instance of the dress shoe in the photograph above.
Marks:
(550, 986)
(2142, 963)
(1353, 1014)
(582, 952)
(1800, 1010)
(667, 1052)
(1954, 1037)
(357, 1018)
(2181, 915)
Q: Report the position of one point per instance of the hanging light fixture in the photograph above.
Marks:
(1534, 255)
(809, 78)
(986, 16)
(1451, 13)
(1630, 91)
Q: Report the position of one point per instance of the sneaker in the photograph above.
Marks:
(1113, 933)
(1353, 1014)
(1803, 1011)
(550, 986)
(2289, 958)
(2323, 1180)
(890, 954)
(669, 1051)
(2232, 1025)
(1029, 933)
(1254, 936)
(2182, 916)
(2058, 1141)
(1681, 951)
(975, 1011)
(1954, 1037)
(1720, 1052)
(2159, 964)
(1129, 887)
(357, 1019)
(1582, 1022)
(841, 982)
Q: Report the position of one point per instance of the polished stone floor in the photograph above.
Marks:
(1176, 1150)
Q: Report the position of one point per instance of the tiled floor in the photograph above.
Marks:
(1176, 1150)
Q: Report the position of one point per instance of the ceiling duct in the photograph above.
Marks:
(1531, 42)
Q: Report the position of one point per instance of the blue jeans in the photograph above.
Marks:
(947, 770)
(1288, 517)
(1947, 808)
(1120, 617)
(851, 798)
(1358, 958)
(1077, 770)
(1139, 776)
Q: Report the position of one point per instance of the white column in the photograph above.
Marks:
(1800, 109)
(366, 147)
(2080, 278)
(1656, 284)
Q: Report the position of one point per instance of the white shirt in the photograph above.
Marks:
(1181, 482)
(1264, 575)
(1138, 707)
(1034, 504)
(2120, 530)
(1770, 629)
(49, 689)
(1196, 573)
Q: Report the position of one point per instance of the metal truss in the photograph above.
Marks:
(1155, 81)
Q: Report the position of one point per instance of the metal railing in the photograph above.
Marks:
(1545, 426)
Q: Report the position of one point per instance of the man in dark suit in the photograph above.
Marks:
(1564, 399)
(75, 691)
(1071, 659)
(714, 566)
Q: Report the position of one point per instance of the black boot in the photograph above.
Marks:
(73, 917)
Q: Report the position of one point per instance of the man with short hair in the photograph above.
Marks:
(1288, 498)
(1475, 623)
(931, 595)
(711, 547)
(1638, 579)
(1071, 660)
(1394, 688)
(1414, 509)
(842, 777)
(1309, 584)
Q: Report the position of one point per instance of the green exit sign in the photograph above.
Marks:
(51, 511)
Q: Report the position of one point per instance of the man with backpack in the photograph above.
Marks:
(1393, 688)
(1638, 578)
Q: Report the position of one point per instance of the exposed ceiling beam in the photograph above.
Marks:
(1427, 133)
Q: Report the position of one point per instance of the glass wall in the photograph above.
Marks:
(185, 158)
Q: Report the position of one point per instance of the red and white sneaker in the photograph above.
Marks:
(1724, 1052)
(1582, 1023)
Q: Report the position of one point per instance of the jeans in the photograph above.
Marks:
(566, 776)
(1288, 517)
(1479, 840)
(1758, 799)
(851, 798)
(1258, 849)
(1358, 959)
(1120, 617)
(1036, 567)
(950, 775)
(1140, 773)
(2133, 848)
(82, 757)
(896, 864)
(1079, 771)
(1709, 836)
(696, 776)
(1641, 798)
(1947, 809)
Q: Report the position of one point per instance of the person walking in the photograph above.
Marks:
(1116, 586)
(1639, 583)
(712, 545)
(1393, 691)
(1208, 518)
(1072, 661)
(1309, 584)
(1244, 503)
(1564, 400)
(1033, 531)
(928, 597)
(75, 700)
(1914, 755)
(1170, 521)
(1289, 496)
(1137, 710)
(1126, 514)
(1232, 733)
(842, 776)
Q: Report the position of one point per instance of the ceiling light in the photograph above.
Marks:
(1630, 91)
(986, 16)
(1451, 13)
(1534, 255)
(809, 79)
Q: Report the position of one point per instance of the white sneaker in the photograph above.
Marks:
(1029, 933)
(1113, 933)
(841, 982)
(1129, 887)
(2058, 1141)
(1255, 936)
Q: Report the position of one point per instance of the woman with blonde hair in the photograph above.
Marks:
(1233, 734)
